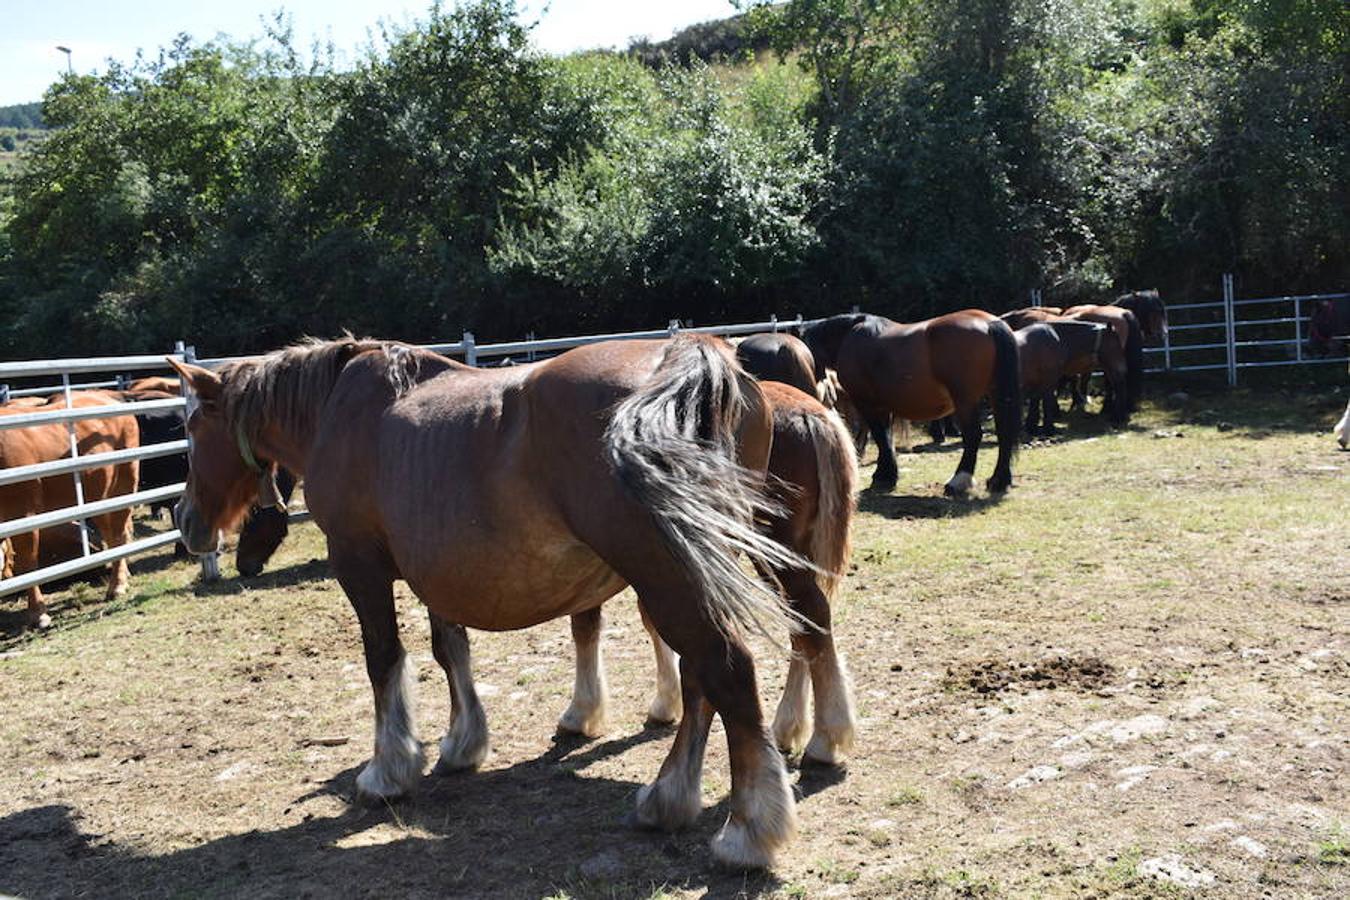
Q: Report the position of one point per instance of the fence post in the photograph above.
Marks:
(1035, 297)
(1298, 329)
(470, 349)
(1230, 330)
(1167, 350)
(773, 321)
(673, 327)
(74, 454)
(530, 339)
(4, 393)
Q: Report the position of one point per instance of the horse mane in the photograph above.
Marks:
(823, 337)
(289, 386)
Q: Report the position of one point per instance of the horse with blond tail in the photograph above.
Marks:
(508, 497)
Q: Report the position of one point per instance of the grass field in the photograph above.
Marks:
(1128, 677)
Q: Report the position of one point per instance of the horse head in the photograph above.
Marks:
(224, 476)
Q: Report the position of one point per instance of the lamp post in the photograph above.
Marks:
(69, 69)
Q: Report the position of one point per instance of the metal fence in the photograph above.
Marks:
(1228, 334)
(66, 370)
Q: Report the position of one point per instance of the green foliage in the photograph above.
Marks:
(907, 157)
(687, 202)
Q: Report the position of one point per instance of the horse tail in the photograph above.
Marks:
(1134, 363)
(837, 478)
(672, 443)
(1007, 393)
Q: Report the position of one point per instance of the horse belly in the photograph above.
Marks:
(505, 587)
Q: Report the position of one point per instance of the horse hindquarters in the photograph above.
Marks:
(673, 444)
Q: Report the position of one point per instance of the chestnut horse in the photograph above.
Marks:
(1128, 333)
(48, 443)
(510, 496)
(779, 357)
(925, 371)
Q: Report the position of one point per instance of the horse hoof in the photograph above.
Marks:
(883, 485)
(42, 622)
(959, 486)
(590, 725)
(998, 485)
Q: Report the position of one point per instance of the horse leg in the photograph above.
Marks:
(1079, 387)
(1050, 404)
(465, 742)
(115, 529)
(937, 432)
(666, 705)
(971, 433)
(397, 761)
(590, 692)
(888, 471)
(25, 549)
(813, 652)
(717, 673)
(1033, 416)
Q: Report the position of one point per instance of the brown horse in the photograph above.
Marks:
(925, 371)
(814, 478)
(48, 443)
(1130, 337)
(1149, 310)
(779, 357)
(1050, 351)
(507, 497)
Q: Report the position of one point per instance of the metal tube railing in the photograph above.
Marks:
(91, 461)
(88, 510)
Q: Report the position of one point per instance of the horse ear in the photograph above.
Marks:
(205, 383)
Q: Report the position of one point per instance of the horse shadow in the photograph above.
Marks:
(296, 573)
(532, 829)
(924, 506)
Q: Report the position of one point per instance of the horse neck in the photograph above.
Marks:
(289, 449)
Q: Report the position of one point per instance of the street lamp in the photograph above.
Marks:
(66, 50)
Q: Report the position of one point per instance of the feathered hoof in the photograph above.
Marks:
(828, 751)
(381, 782)
(42, 622)
(665, 806)
(959, 486)
(997, 485)
(586, 724)
(459, 755)
(883, 485)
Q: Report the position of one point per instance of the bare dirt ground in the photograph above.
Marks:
(1130, 678)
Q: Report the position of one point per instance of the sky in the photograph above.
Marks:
(30, 30)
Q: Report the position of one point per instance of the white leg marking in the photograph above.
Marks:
(833, 733)
(763, 815)
(397, 762)
(465, 743)
(1343, 429)
(960, 483)
(666, 705)
(789, 722)
(590, 692)
(674, 799)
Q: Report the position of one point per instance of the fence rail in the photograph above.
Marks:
(1225, 324)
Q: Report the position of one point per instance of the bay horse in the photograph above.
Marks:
(813, 476)
(507, 497)
(1329, 324)
(48, 443)
(925, 371)
(1050, 351)
(1128, 333)
(779, 357)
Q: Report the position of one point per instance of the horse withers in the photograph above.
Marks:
(508, 497)
(924, 371)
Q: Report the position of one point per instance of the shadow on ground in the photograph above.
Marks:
(528, 830)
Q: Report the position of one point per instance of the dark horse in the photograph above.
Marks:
(779, 357)
(1328, 325)
(508, 497)
(264, 529)
(1149, 310)
(1050, 351)
(924, 371)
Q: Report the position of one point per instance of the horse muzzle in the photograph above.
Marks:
(197, 536)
